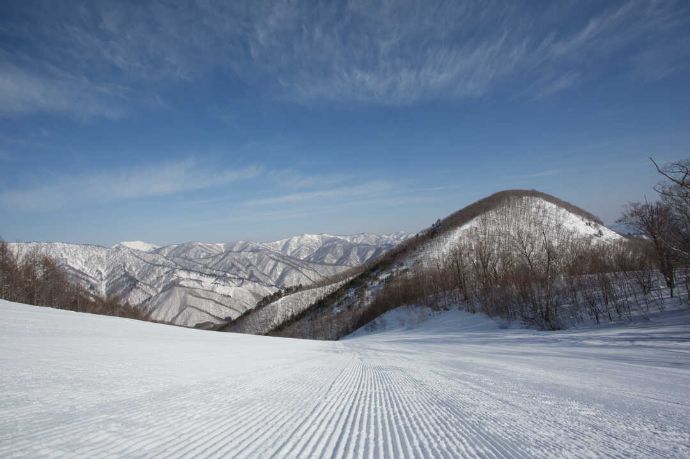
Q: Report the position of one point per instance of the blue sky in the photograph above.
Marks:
(219, 121)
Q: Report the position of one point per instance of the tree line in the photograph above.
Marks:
(37, 279)
(538, 280)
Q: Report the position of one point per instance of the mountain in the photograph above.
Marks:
(197, 283)
(138, 245)
(516, 222)
(341, 250)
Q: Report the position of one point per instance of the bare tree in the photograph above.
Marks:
(678, 175)
(655, 221)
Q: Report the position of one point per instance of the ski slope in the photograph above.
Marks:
(449, 385)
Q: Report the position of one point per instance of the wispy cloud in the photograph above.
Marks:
(293, 179)
(274, 187)
(385, 52)
(544, 173)
(398, 53)
(23, 92)
(555, 83)
(350, 191)
(660, 62)
(382, 52)
(103, 187)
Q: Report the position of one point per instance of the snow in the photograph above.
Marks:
(138, 245)
(453, 385)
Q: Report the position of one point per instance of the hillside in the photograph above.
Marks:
(265, 318)
(510, 221)
(455, 385)
(197, 283)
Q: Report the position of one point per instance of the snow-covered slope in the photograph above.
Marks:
(263, 319)
(196, 283)
(79, 385)
(516, 217)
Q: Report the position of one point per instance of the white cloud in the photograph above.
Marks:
(121, 185)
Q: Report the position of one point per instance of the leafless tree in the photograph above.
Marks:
(655, 220)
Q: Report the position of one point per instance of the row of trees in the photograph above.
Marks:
(558, 284)
(278, 294)
(38, 280)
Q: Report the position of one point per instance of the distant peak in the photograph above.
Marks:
(137, 245)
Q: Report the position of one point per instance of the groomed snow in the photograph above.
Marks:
(449, 385)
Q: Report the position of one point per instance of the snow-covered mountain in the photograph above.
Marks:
(515, 218)
(196, 282)
(502, 222)
(340, 250)
(138, 245)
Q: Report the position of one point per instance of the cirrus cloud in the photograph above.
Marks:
(125, 184)
(87, 58)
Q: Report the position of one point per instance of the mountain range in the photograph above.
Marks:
(207, 284)
(288, 287)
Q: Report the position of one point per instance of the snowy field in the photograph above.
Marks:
(450, 385)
